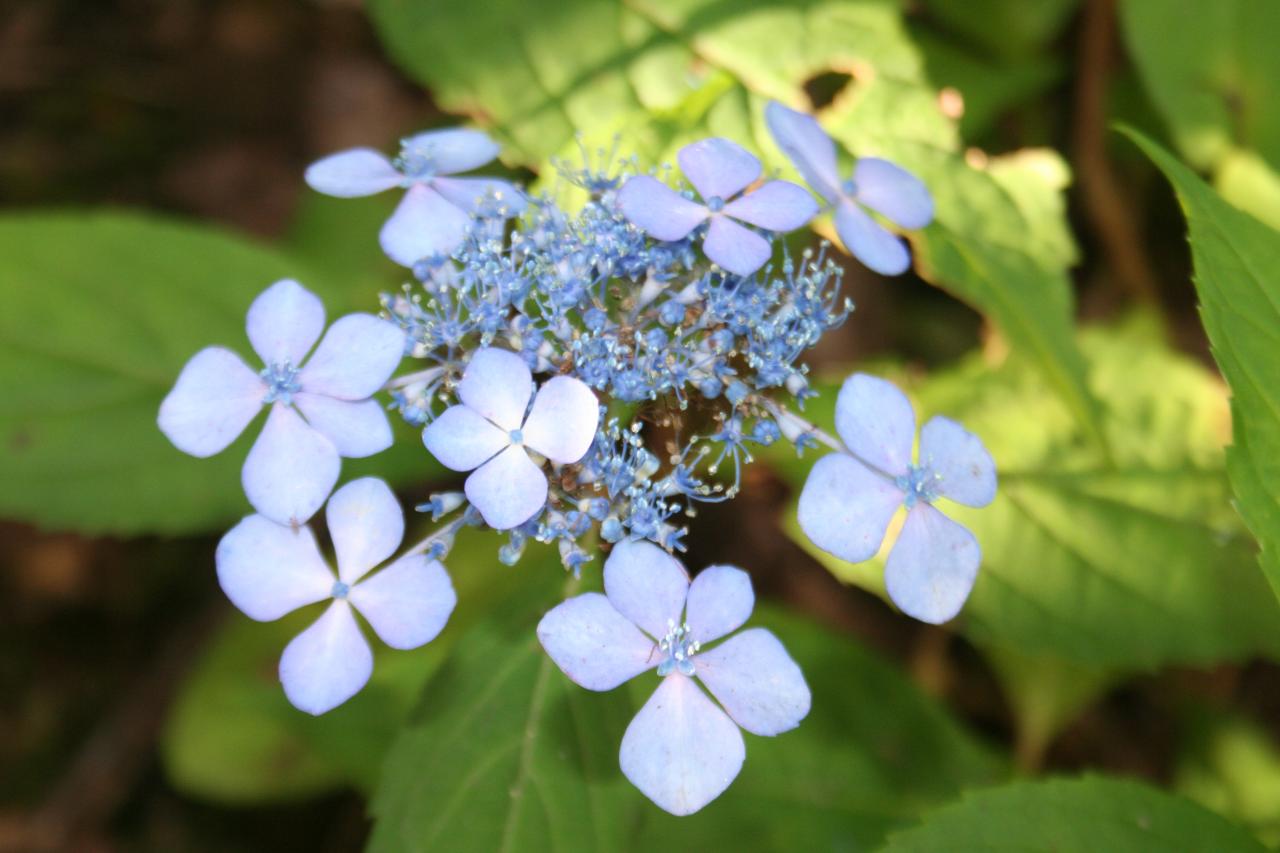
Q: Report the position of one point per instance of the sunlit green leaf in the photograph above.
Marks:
(1074, 816)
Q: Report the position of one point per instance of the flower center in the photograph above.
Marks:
(339, 590)
(416, 164)
(715, 204)
(919, 484)
(849, 188)
(282, 382)
(516, 436)
(680, 648)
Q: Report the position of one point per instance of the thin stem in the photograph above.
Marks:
(443, 533)
(428, 375)
(779, 413)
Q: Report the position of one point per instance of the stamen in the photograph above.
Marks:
(282, 382)
(918, 484)
(680, 648)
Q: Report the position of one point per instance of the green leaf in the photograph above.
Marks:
(1066, 815)
(506, 753)
(1237, 275)
(873, 753)
(1137, 566)
(1006, 28)
(98, 314)
(1210, 70)
(1231, 764)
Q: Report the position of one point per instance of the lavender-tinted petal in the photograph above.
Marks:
(508, 490)
(756, 681)
(739, 250)
(647, 585)
(962, 467)
(720, 600)
(214, 399)
(425, 224)
(356, 357)
(562, 423)
(473, 194)
(845, 507)
(777, 206)
(366, 525)
(455, 149)
(808, 146)
(932, 566)
(870, 242)
(351, 173)
(718, 168)
(462, 440)
(284, 322)
(358, 428)
(876, 422)
(658, 210)
(291, 468)
(408, 603)
(681, 751)
(328, 663)
(893, 192)
(594, 644)
(498, 385)
(268, 569)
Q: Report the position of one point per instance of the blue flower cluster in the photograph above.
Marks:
(596, 372)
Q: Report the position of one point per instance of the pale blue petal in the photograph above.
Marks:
(497, 384)
(453, 150)
(284, 322)
(681, 751)
(739, 250)
(462, 440)
(932, 566)
(893, 192)
(594, 644)
(808, 146)
(658, 210)
(408, 603)
(268, 569)
(845, 507)
(756, 681)
(328, 663)
(508, 490)
(355, 359)
(718, 168)
(720, 601)
(425, 224)
(647, 585)
(357, 428)
(366, 525)
(562, 423)
(214, 399)
(356, 172)
(776, 206)
(291, 468)
(876, 422)
(963, 470)
(870, 242)
(472, 194)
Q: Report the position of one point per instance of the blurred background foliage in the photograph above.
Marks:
(1113, 682)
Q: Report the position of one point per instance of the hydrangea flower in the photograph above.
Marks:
(849, 498)
(433, 218)
(268, 570)
(490, 433)
(319, 411)
(718, 169)
(681, 750)
(875, 184)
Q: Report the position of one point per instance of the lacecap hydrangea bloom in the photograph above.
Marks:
(682, 749)
(850, 497)
(599, 372)
(269, 570)
(320, 409)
